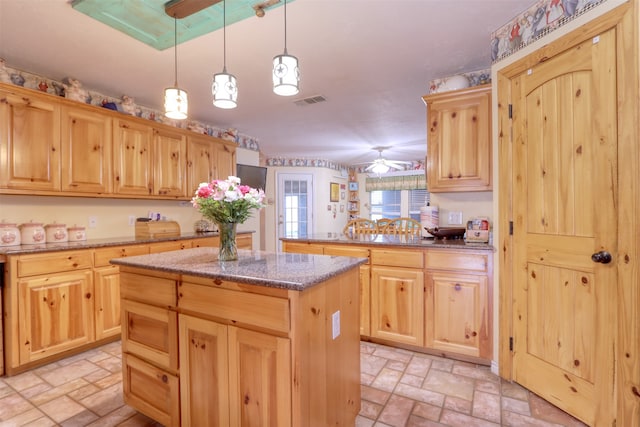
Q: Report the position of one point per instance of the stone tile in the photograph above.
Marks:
(363, 422)
(544, 410)
(419, 366)
(23, 381)
(98, 375)
(110, 380)
(519, 420)
(381, 424)
(514, 390)
(488, 387)
(456, 419)
(424, 410)
(477, 372)
(5, 389)
(396, 365)
(366, 379)
(458, 405)
(24, 418)
(393, 354)
(412, 380)
(41, 422)
(104, 401)
(420, 394)
(114, 418)
(486, 406)
(396, 412)
(86, 356)
(61, 409)
(449, 384)
(99, 356)
(139, 420)
(114, 348)
(374, 395)
(372, 365)
(370, 409)
(515, 405)
(36, 392)
(83, 392)
(13, 404)
(442, 365)
(415, 421)
(367, 347)
(69, 372)
(387, 379)
(110, 363)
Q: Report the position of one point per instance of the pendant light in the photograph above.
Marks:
(286, 74)
(176, 104)
(225, 86)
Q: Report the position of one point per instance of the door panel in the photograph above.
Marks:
(565, 208)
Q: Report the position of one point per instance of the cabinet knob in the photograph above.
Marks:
(165, 379)
(602, 257)
(457, 287)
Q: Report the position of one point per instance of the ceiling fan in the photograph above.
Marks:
(382, 165)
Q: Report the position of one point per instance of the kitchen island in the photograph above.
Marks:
(427, 295)
(269, 339)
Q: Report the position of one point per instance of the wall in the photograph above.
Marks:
(323, 220)
(112, 214)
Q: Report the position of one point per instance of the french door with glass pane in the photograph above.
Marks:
(294, 205)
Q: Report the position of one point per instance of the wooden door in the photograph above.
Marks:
(259, 379)
(132, 169)
(86, 151)
(204, 373)
(170, 163)
(107, 301)
(200, 164)
(29, 142)
(55, 313)
(564, 210)
(397, 312)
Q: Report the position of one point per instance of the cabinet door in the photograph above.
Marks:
(459, 140)
(397, 304)
(107, 301)
(225, 160)
(132, 156)
(457, 314)
(170, 163)
(204, 373)
(365, 300)
(55, 313)
(200, 163)
(29, 142)
(259, 379)
(86, 151)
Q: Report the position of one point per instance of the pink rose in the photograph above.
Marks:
(204, 191)
(244, 189)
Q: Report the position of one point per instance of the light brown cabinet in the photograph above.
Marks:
(132, 158)
(29, 142)
(170, 162)
(208, 160)
(86, 151)
(459, 140)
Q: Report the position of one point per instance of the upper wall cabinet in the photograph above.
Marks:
(29, 142)
(53, 146)
(459, 140)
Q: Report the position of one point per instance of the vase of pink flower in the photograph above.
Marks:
(227, 203)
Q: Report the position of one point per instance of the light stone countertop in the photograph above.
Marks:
(287, 270)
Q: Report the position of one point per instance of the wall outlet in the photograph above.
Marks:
(335, 324)
(93, 222)
(455, 218)
(132, 220)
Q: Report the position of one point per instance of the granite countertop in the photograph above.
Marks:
(98, 243)
(287, 270)
(390, 240)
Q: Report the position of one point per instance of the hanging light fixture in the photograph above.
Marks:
(225, 86)
(286, 74)
(176, 104)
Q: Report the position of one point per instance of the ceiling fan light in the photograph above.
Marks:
(224, 90)
(176, 104)
(286, 75)
(380, 168)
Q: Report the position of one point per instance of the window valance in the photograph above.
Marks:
(404, 182)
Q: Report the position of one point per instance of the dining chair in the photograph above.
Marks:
(360, 226)
(403, 227)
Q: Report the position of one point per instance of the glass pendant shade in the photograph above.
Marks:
(176, 104)
(380, 168)
(224, 90)
(286, 75)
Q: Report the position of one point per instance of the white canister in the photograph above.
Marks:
(32, 233)
(429, 218)
(56, 233)
(9, 234)
(77, 233)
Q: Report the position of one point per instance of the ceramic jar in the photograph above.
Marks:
(32, 233)
(56, 233)
(9, 234)
(77, 233)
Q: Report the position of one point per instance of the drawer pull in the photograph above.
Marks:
(165, 379)
(457, 287)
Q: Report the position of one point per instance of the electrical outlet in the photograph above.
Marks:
(455, 218)
(132, 220)
(93, 222)
(335, 324)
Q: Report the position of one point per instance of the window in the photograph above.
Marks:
(397, 203)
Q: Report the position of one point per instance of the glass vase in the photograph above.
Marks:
(228, 248)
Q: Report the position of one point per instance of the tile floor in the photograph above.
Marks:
(399, 388)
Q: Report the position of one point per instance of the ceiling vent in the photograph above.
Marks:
(310, 100)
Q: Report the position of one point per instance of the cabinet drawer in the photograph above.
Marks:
(172, 245)
(244, 241)
(101, 257)
(343, 250)
(205, 242)
(150, 333)
(452, 260)
(397, 258)
(31, 265)
(302, 248)
(239, 307)
(151, 391)
(158, 291)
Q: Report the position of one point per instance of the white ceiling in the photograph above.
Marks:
(371, 59)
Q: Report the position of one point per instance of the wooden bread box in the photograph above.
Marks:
(154, 229)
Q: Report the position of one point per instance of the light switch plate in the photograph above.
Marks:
(455, 218)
